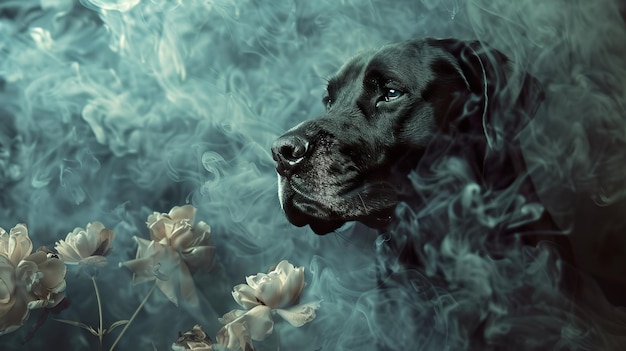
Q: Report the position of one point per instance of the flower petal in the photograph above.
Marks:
(20, 244)
(15, 316)
(259, 322)
(93, 229)
(143, 266)
(292, 286)
(254, 280)
(241, 327)
(54, 273)
(182, 235)
(284, 268)
(94, 261)
(144, 247)
(106, 237)
(195, 339)
(178, 213)
(67, 252)
(168, 289)
(299, 315)
(7, 284)
(83, 244)
(142, 269)
(187, 286)
(200, 258)
(231, 316)
(201, 234)
(235, 336)
(159, 228)
(42, 275)
(269, 289)
(244, 296)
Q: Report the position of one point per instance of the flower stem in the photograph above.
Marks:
(132, 318)
(100, 330)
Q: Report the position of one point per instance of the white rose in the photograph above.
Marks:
(86, 246)
(177, 250)
(279, 288)
(277, 291)
(176, 229)
(27, 281)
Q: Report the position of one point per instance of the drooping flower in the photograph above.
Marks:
(195, 340)
(44, 275)
(88, 246)
(177, 250)
(277, 291)
(27, 281)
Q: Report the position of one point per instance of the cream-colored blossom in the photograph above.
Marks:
(195, 340)
(27, 281)
(16, 244)
(44, 275)
(177, 250)
(277, 291)
(88, 246)
(159, 262)
(13, 304)
(176, 230)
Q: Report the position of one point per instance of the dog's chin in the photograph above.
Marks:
(321, 222)
(318, 225)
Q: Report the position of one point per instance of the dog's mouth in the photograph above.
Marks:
(369, 203)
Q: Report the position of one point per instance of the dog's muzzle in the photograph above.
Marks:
(289, 151)
(293, 155)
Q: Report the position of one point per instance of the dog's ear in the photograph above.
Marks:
(500, 98)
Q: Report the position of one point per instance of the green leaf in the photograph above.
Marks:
(80, 325)
(115, 325)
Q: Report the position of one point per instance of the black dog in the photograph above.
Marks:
(393, 117)
(384, 109)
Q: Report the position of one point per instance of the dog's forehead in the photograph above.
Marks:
(408, 60)
(350, 72)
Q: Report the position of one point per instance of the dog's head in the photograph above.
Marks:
(383, 110)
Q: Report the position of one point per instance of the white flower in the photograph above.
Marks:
(88, 246)
(177, 231)
(277, 291)
(177, 250)
(236, 335)
(159, 262)
(13, 304)
(44, 275)
(195, 340)
(15, 245)
(27, 281)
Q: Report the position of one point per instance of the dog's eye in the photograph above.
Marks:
(327, 102)
(391, 94)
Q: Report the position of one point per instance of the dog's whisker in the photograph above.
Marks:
(365, 209)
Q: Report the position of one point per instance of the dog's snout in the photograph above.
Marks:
(288, 151)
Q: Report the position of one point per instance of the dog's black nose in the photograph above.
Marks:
(288, 151)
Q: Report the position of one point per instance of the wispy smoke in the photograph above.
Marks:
(110, 110)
